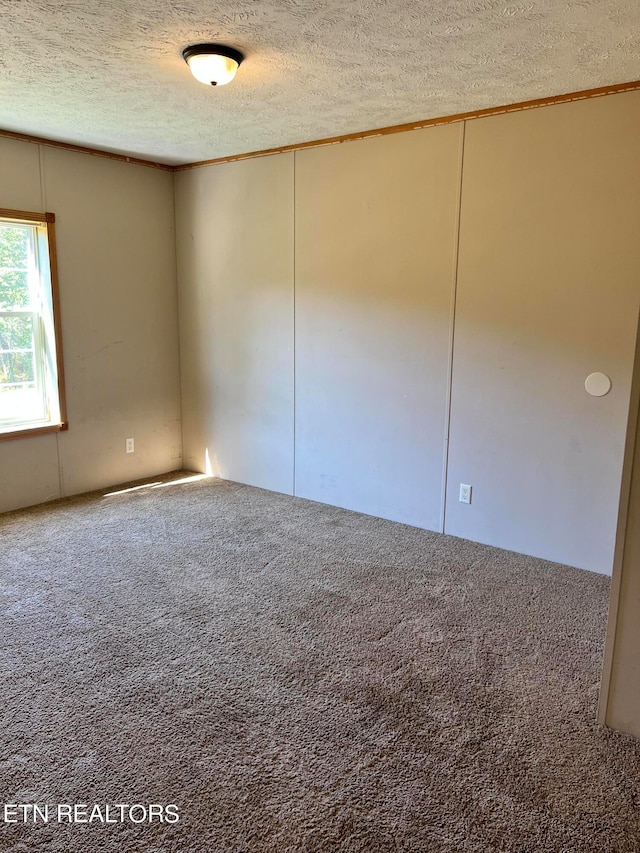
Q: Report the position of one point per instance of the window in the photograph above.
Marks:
(31, 379)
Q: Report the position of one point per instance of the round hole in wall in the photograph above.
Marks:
(597, 384)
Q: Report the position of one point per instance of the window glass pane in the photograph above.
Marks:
(21, 404)
(14, 288)
(14, 246)
(20, 397)
(17, 362)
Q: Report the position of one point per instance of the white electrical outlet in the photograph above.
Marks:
(129, 445)
(465, 493)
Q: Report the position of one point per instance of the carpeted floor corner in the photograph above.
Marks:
(297, 678)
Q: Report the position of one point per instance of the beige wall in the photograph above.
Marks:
(372, 321)
(547, 292)
(235, 262)
(116, 264)
(376, 225)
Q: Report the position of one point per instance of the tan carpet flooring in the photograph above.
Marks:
(296, 677)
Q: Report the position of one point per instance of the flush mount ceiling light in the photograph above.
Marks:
(213, 64)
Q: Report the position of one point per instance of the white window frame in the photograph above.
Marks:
(45, 314)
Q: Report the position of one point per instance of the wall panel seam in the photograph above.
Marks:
(293, 489)
(452, 327)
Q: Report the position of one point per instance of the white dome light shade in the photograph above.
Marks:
(213, 70)
(212, 64)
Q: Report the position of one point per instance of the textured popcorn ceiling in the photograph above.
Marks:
(109, 73)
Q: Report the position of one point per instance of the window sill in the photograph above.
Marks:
(25, 432)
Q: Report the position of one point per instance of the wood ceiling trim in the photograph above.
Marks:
(83, 149)
(417, 125)
(348, 137)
